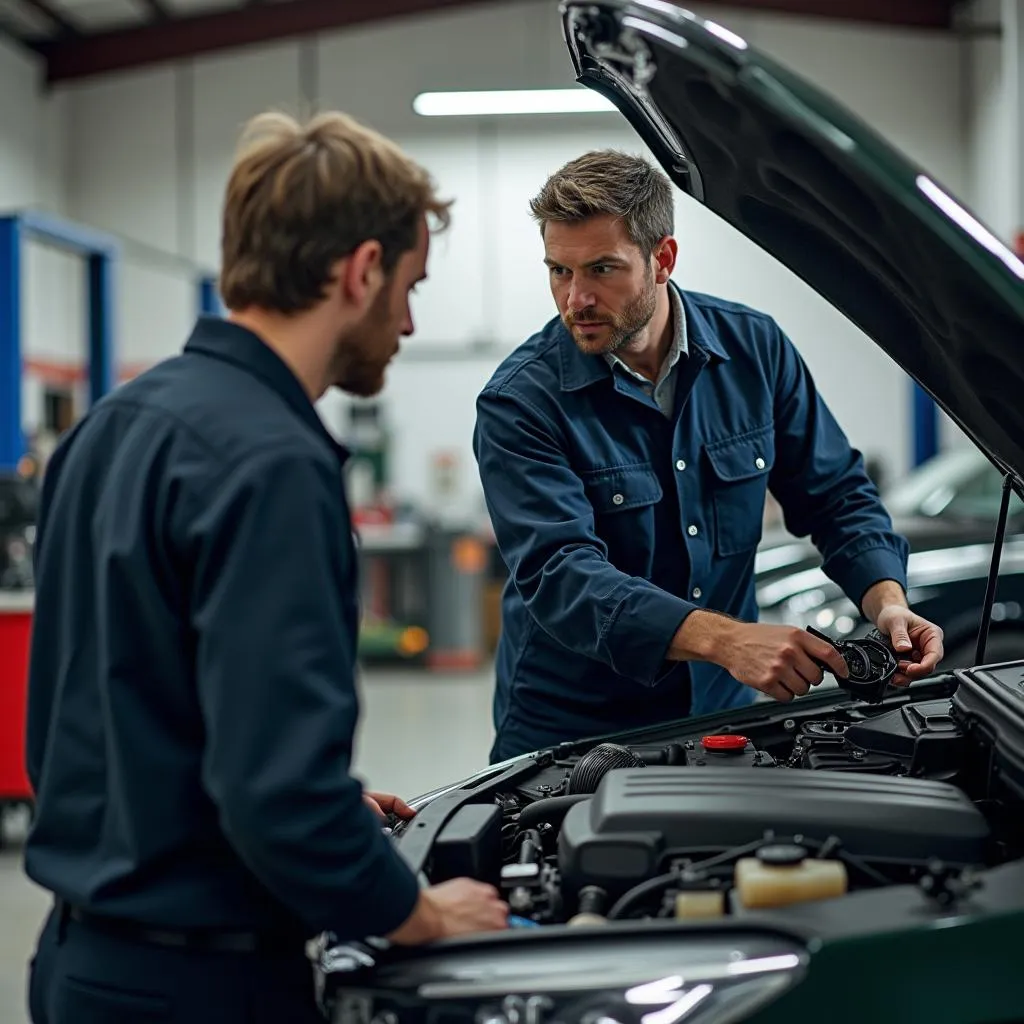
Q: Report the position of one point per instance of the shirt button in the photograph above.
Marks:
(697, 592)
(759, 462)
(617, 499)
(681, 465)
(692, 531)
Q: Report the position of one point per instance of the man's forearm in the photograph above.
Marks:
(703, 636)
(707, 635)
(881, 595)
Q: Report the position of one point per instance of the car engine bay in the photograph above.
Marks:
(787, 807)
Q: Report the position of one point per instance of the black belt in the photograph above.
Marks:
(200, 940)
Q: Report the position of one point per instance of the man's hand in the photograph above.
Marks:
(780, 661)
(458, 907)
(383, 804)
(916, 641)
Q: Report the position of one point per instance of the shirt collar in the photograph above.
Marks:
(232, 343)
(579, 370)
(677, 350)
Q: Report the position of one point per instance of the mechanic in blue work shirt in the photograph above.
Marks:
(192, 701)
(626, 451)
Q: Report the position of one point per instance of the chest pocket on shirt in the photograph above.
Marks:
(624, 500)
(739, 485)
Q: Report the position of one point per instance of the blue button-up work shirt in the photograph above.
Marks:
(616, 521)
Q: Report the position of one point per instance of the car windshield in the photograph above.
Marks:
(958, 484)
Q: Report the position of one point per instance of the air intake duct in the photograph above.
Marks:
(595, 764)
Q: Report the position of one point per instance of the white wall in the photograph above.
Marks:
(992, 115)
(155, 169)
(33, 174)
(32, 133)
(987, 143)
(992, 131)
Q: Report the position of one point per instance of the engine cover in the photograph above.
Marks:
(638, 817)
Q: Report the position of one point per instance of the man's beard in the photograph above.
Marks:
(363, 352)
(622, 329)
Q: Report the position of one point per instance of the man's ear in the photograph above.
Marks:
(665, 254)
(360, 275)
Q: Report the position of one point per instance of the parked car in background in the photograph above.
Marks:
(947, 509)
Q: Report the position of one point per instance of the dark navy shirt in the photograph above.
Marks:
(192, 702)
(616, 521)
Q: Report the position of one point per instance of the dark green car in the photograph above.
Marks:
(845, 857)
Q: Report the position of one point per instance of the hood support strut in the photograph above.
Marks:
(993, 570)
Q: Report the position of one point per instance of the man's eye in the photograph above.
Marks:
(602, 268)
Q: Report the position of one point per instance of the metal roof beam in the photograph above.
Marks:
(937, 14)
(257, 22)
(222, 30)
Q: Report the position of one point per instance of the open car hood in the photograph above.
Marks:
(814, 186)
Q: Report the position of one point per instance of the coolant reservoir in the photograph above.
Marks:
(780, 875)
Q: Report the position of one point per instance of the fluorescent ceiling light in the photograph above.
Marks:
(511, 101)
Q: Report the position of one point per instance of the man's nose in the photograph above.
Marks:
(580, 298)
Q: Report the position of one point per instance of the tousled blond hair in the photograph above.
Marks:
(300, 197)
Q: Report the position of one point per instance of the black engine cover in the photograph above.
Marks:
(640, 816)
(989, 703)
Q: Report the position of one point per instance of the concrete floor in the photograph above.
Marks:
(418, 731)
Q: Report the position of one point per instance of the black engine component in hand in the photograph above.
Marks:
(871, 663)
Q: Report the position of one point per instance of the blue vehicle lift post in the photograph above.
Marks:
(100, 254)
(209, 299)
(926, 424)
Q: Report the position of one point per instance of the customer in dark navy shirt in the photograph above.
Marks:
(192, 706)
(626, 452)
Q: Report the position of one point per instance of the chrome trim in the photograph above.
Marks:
(611, 978)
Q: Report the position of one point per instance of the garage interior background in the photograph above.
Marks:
(142, 153)
(134, 141)
(119, 117)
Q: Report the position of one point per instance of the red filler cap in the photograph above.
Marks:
(725, 744)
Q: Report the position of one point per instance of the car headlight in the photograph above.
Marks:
(565, 979)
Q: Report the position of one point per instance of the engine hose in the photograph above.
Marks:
(530, 849)
(625, 902)
(552, 809)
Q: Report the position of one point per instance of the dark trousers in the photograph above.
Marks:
(79, 975)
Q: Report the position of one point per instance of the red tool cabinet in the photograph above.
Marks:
(15, 627)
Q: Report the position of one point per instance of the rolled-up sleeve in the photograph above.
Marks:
(275, 656)
(823, 487)
(544, 527)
